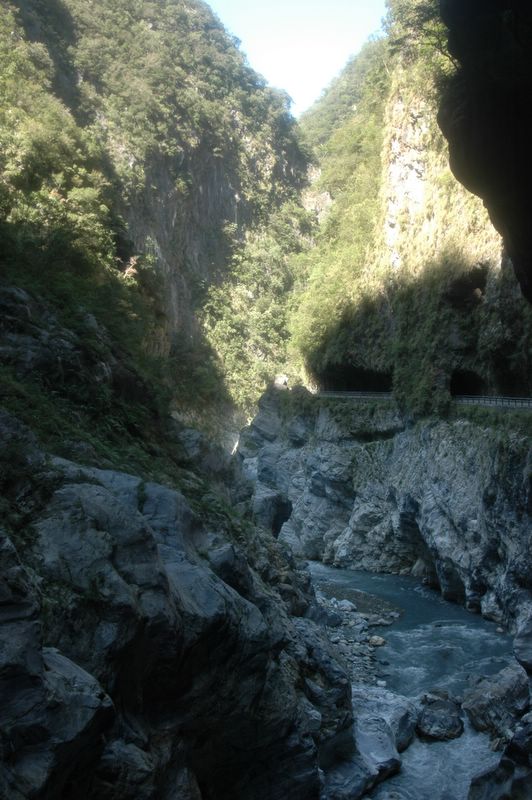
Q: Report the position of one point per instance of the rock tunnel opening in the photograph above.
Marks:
(467, 382)
(348, 378)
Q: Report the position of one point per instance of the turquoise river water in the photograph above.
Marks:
(433, 644)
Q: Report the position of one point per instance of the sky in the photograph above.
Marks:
(300, 45)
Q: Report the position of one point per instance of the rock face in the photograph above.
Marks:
(513, 775)
(206, 151)
(52, 710)
(384, 727)
(508, 780)
(485, 115)
(143, 655)
(449, 502)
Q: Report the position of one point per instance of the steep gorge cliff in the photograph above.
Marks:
(146, 650)
(142, 125)
(153, 642)
(406, 287)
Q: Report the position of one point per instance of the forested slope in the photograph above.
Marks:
(136, 148)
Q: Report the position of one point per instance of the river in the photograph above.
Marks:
(433, 644)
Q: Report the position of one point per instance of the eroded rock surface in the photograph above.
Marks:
(440, 718)
(143, 655)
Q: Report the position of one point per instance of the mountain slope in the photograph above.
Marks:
(137, 145)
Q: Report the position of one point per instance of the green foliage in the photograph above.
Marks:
(246, 317)
(99, 102)
(121, 435)
(351, 173)
(416, 31)
(102, 102)
(165, 79)
(52, 194)
(340, 100)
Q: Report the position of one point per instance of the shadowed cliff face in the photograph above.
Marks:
(485, 115)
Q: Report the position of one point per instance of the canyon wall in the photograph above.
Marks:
(449, 501)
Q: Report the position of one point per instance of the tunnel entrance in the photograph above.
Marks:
(510, 383)
(466, 382)
(347, 378)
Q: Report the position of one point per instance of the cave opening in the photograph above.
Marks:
(466, 382)
(451, 584)
(283, 512)
(348, 378)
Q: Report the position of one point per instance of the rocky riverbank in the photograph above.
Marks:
(351, 625)
(449, 502)
(155, 642)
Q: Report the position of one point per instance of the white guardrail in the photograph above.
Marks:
(469, 400)
(499, 402)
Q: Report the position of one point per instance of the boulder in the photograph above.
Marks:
(348, 780)
(375, 743)
(440, 718)
(347, 606)
(399, 713)
(495, 704)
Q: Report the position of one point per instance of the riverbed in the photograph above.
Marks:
(432, 645)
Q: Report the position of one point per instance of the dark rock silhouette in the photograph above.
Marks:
(485, 115)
